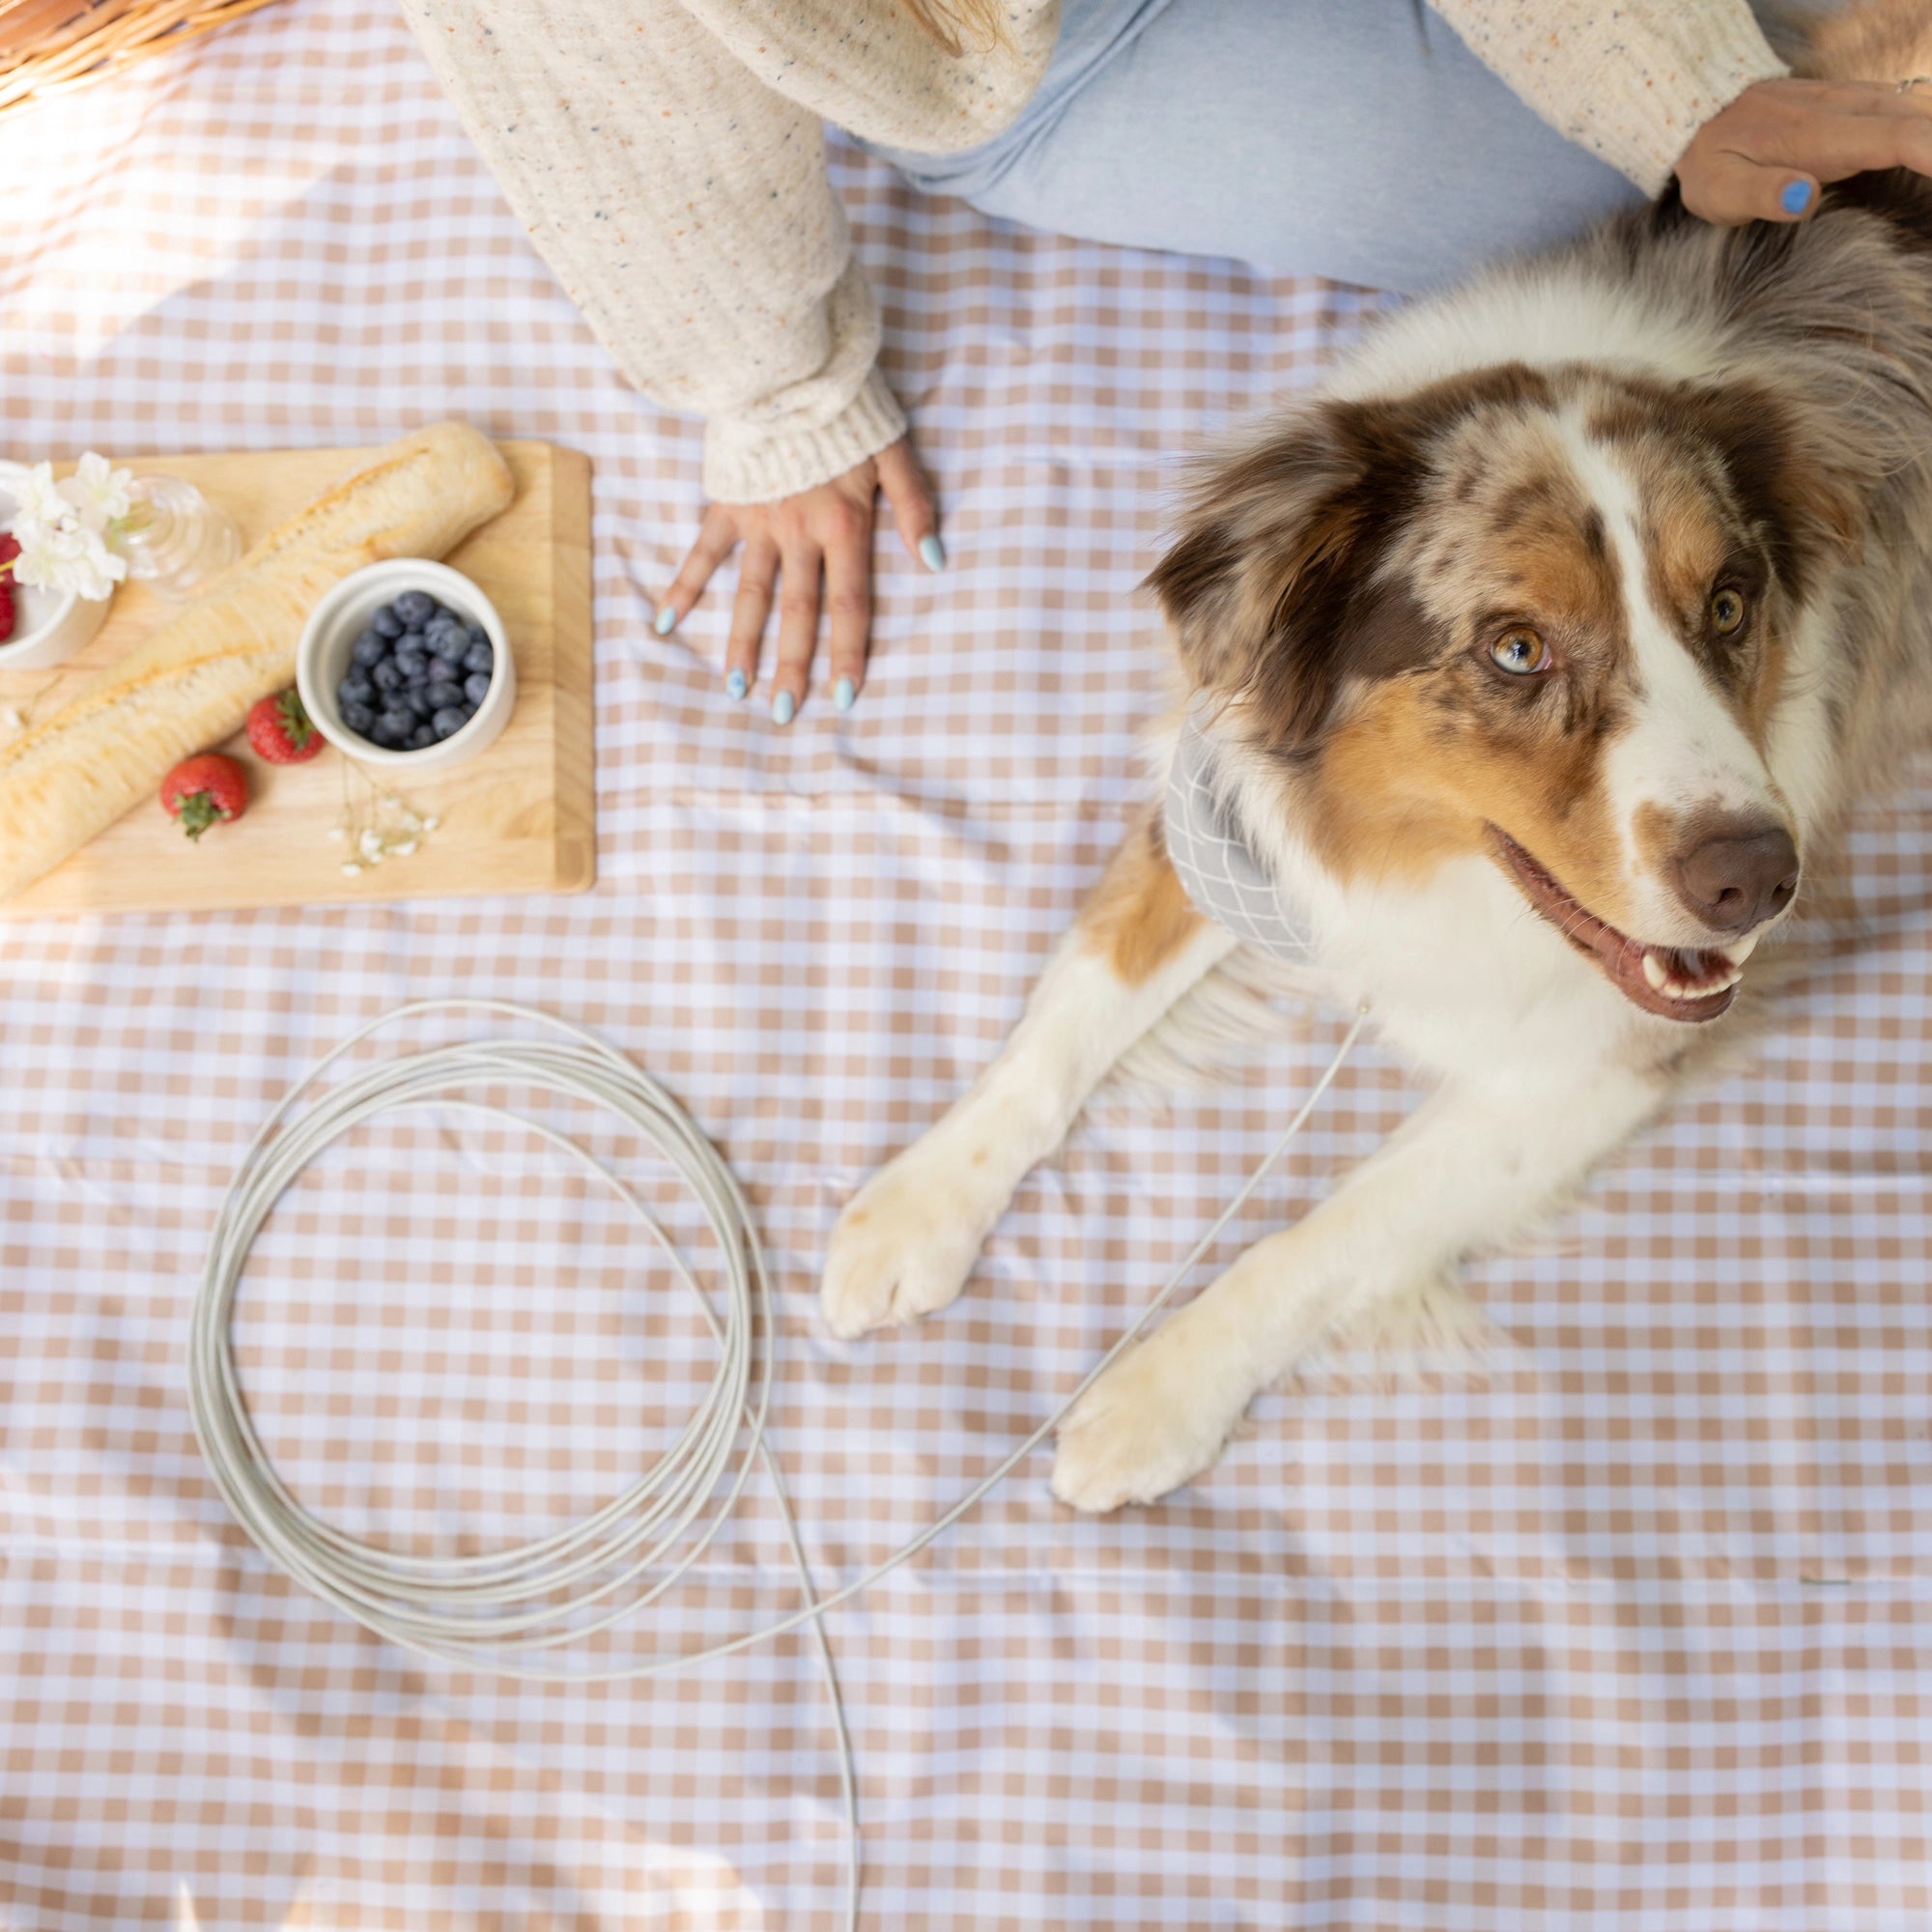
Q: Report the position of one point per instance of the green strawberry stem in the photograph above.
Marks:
(295, 720)
(197, 810)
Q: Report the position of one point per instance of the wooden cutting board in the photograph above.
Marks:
(520, 817)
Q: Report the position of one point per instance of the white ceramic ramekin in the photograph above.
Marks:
(322, 660)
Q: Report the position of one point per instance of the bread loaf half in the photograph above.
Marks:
(189, 684)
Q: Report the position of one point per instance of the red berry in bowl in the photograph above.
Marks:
(10, 549)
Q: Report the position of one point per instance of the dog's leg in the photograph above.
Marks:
(1466, 1171)
(907, 1241)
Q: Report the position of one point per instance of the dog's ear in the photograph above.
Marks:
(1269, 583)
(1793, 480)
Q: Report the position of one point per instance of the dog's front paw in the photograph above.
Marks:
(904, 1246)
(1158, 1417)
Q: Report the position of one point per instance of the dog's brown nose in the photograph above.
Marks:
(1739, 881)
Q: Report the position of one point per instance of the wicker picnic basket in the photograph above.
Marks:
(52, 47)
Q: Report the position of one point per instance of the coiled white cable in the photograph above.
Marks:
(502, 1610)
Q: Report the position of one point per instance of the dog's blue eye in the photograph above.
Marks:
(1521, 652)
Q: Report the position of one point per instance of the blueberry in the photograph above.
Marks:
(396, 721)
(444, 694)
(478, 634)
(356, 689)
(445, 633)
(477, 687)
(422, 736)
(419, 700)
(387, 675)
(479, 656)
(369, 648)
(359, 717)
(413, 665)
(449, 721)
(386, 623)
(381, 734)
(443, 671)
(415, 607)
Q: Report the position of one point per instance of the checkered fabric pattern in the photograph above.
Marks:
(1626, 1628)
(1221, 872)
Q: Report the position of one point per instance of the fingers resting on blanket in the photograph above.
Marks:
(811, 555)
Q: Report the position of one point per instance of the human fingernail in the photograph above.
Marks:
(1796, 197)
(737, 684)
(843, 693)
(932, 553)
(783, 707)
(664, 620)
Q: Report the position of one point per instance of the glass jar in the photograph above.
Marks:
(175, 540)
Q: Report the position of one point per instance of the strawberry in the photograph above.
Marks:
(204, 791)
(282, 732)
(10, 549)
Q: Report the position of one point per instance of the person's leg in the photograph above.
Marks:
(1358, 139)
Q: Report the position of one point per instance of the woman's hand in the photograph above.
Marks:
(823, 533)
(1764, 156)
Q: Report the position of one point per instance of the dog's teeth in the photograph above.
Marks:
(1729, 969)
(1734, 956)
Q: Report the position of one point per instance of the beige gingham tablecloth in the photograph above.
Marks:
(1626, 1628)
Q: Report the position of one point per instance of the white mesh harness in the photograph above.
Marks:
(1219, 867)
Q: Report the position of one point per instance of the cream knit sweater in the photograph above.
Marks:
(667, 158)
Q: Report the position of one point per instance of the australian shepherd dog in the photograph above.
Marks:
(1530, 663)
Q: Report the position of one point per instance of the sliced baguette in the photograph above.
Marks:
(189, 684)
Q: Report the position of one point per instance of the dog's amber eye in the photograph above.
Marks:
(1520, 651)
(1727, 611)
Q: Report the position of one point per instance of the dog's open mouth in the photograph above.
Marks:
(1676, 982)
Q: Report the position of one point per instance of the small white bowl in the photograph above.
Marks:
(49, 626)
(322, 660)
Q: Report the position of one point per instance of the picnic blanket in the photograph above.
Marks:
(1625, 1626)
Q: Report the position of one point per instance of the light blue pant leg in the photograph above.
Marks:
(1358, 139)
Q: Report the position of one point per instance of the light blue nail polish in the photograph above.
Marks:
(664, 620)
(783, 707)
(932, 553)
(843, 693)
(737, 684)
(1796, 197)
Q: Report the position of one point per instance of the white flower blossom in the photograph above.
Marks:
(39, 501)
(61, 528)
(64, 557)
(376, 824)
(98, 492)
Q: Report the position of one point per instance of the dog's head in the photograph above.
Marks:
(1542, 616)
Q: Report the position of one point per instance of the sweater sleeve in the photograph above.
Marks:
(1631, 80)
(685, 207)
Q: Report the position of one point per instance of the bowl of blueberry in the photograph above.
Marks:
(405, 662)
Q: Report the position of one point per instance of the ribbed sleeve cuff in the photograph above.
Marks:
(759, 463)
(1648, 99)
